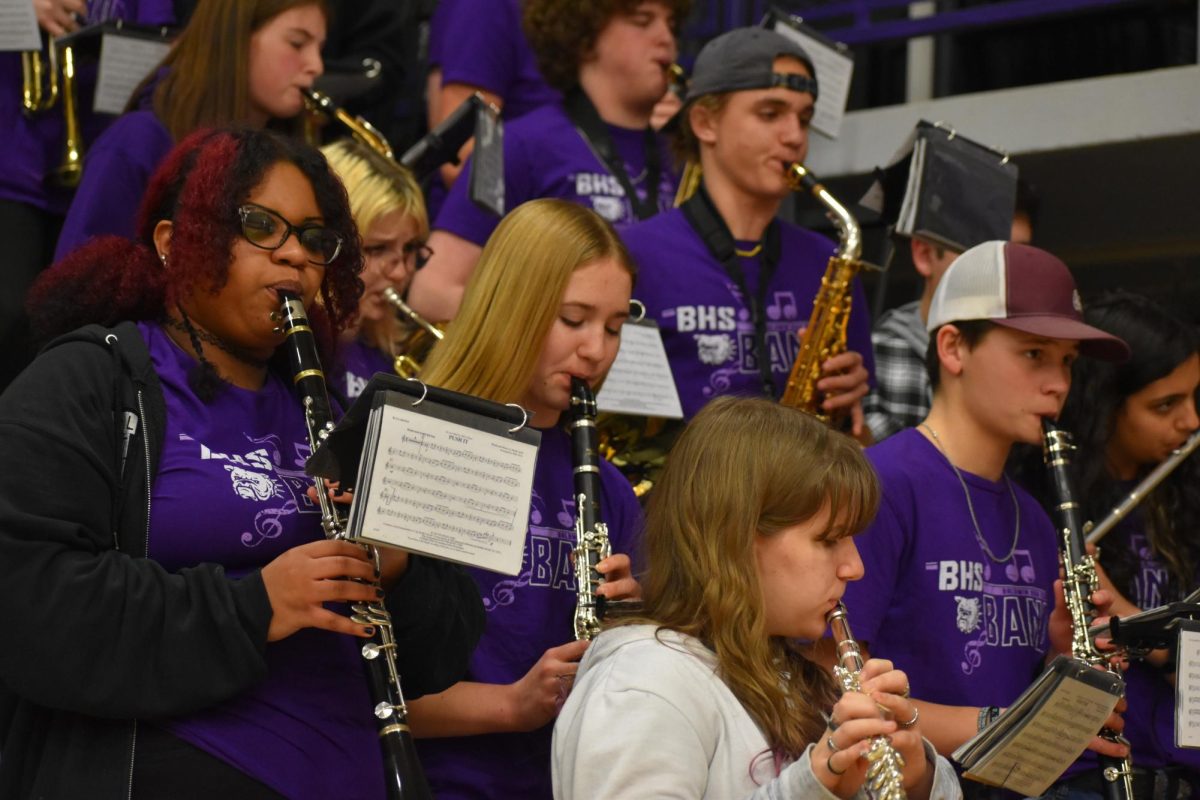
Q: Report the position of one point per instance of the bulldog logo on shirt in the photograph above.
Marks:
(713, 348)
(253, 485)
(611, 208)
(968, 613)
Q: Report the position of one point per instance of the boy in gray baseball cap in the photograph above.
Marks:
(730, 285)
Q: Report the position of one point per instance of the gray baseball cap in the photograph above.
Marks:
(743, 58)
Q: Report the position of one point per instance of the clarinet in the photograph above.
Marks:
(1078, 584)
(591, 535)
(403, 776)
(884, 778)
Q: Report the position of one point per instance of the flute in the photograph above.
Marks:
(885, 781)
(1157, 476)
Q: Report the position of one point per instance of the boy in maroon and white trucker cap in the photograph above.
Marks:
(960, 562)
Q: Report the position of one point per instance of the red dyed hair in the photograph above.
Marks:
(198, 187)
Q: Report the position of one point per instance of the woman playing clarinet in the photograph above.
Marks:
(180, 615)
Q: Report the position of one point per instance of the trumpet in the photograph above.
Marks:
(825, 335)
(40, 92)
(884, 777)
(359, 128)
(417, 344)
(70, 169)
(39, 85)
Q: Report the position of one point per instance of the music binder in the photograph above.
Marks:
(474, 118)
(947, 189)
(1030, 745)
(435, 472)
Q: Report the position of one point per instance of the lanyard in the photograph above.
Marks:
(593, 129)
(704, 219)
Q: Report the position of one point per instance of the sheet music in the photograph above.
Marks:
(834, 71)
(1048, 740)
(125, 61)
(1187, 686)
(19, 26)
(444, 489)
(640, 381)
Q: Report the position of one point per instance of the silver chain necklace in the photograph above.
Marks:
(971, 506)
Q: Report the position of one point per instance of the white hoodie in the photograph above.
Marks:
(648, 717)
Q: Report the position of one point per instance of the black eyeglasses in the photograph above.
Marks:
(266, 228)
(417, 252)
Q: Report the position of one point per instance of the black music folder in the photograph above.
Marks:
(946, 189)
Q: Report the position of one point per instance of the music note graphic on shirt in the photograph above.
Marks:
(566, 517)
(1014, 568)
(783, 306)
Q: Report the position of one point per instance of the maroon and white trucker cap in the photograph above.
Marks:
(1023, 288)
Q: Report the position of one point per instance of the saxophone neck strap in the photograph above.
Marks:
(595, 131)
(704, 218)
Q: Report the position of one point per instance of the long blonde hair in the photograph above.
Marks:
(377, 189)
(493, 344)
(744, 468)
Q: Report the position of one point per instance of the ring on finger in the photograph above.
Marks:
(829, 766)
(916, 715)
(833, 748)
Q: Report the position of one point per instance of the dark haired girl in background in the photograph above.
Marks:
(1126, 419)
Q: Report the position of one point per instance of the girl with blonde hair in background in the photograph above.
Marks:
(389, 213)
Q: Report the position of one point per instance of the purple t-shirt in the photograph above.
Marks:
(481, 43)
(705, 321)
(966, 630)
(230, 489)
(357, 362)
(119, 166)
(526, 616)
(33, 145)
(545, 156)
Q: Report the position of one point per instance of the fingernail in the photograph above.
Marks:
(369, 630)
(378, 592)
(337, 492)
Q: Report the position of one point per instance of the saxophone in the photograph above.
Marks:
(591, 534)
(404, 778)
(884, 778)
(1079, 581)
(825, 335)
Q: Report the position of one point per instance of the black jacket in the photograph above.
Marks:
(97, 636)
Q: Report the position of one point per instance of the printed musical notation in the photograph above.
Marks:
(1187, 686)
(124, 62)
(18, 26)
(446, 490)
(640, 381)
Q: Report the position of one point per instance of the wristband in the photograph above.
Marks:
(987, 715)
